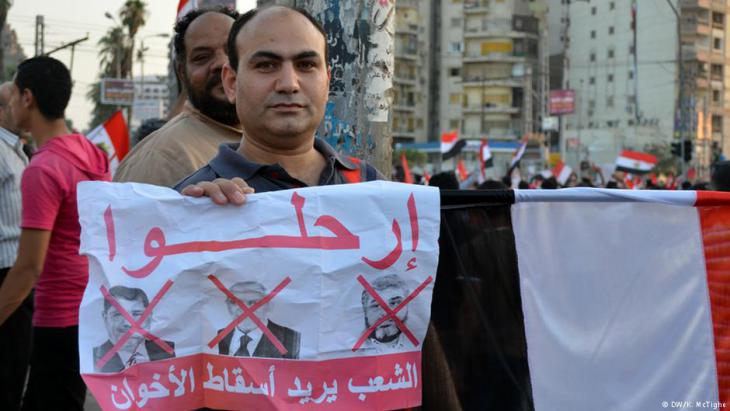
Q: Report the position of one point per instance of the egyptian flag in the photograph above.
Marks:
(517, 156)
(485, 156)
(451, 145)
(113, 138)
(407, 176)
(635, 162)
(186, 6)
(461, 170)
(561, 172)
(619, 295)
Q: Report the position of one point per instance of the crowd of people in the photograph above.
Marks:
(256, 85)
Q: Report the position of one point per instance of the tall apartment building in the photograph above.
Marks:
(706, 58)
(410, 83)
(627, 86)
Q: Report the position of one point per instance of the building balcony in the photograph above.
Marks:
(695, 4)
(404, 108)
(412, 4)
(477, 82)
(409, 29)
(495, 57)
(702, 83)
(490, 32)
(406, 54)
(476, 6)
(718, 5)
(476, 109)
(405, 134)
(694, 26)
(410, 81)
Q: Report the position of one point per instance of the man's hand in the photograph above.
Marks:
(221, 190)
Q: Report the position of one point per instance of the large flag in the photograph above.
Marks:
(635, 162)
(185, 6)
(451, 145)
(113, 138)
(635, 316)
(517, 156)
(562, 172)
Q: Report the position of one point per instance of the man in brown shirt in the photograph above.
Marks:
(190, 139)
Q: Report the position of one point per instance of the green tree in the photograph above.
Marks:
(116, 51)
(4, 7)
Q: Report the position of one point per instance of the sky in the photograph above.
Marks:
(68, 20)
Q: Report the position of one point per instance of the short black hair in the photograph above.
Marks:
(126, 293)
(181, 27)
(49, 81)
(247, 16)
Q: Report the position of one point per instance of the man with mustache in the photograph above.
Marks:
(190, 139)
(387, 336)
(278, 77)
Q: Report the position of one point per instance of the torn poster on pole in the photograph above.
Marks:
(297, 299)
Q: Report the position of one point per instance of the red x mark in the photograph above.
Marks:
(389, 314)
(249, 312)
(136, 324)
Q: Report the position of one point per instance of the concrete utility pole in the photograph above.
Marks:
(360, 35)
(40, 29)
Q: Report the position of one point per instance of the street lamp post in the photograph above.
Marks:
(142, 50)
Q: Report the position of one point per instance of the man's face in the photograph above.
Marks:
(117, 325)
(281, 84)
(17, 107)
(387, 331)
(6, 117)
(205, 42)
(249, 298)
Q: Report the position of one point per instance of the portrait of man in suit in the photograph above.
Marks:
(247, 339)
(136, 349)
(387, 337)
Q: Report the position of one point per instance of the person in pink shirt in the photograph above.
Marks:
(48, 253)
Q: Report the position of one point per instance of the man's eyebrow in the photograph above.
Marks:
(274, 56)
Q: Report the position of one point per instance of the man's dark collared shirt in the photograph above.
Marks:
(228, 164)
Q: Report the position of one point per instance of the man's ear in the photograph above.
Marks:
(27, 99)
(180, 72)
(228, 78)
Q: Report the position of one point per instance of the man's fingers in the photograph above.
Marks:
(232, 191)
(221, 190)
(193, 191)
(241, 183)
(213, 190)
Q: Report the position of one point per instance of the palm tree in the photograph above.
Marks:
(112, 53)
(134, 16)
(116, 50)
(4, 7)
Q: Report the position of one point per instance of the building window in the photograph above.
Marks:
(455, 98)
(718, 19)
(591, 80)
(454, 124)
(455, 22)
(609, 101)
(632, 49)
(610, 30)
(612, 5)
(593, 11)
(609, 78)
(631, 75)
(455, 72)
(592, 57)
(593, 34)
(717, 43)
(716, 96)
(610, 53)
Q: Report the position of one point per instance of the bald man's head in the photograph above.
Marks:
(6, 117)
